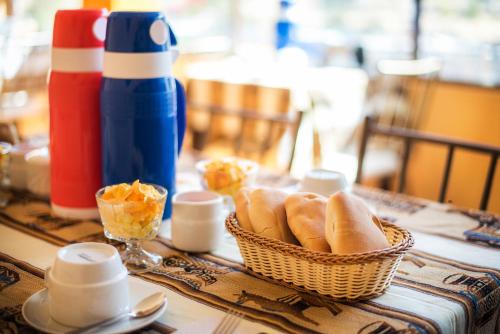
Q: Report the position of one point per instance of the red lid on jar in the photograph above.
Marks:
(79, 28)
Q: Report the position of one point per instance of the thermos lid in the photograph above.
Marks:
(79, 28)
(136, 32)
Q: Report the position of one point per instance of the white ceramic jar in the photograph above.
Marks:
(197, 221)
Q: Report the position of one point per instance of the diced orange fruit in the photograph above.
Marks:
(224, 176)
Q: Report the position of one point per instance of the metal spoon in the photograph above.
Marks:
(144, 308)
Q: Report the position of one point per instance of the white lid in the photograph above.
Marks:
(38, 157)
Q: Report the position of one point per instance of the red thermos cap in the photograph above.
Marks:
(79, 28)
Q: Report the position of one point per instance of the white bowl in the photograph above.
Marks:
(324, 182)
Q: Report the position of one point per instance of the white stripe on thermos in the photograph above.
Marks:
(77, 59)
(140, 65)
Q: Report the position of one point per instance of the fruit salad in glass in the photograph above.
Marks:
(132, 213)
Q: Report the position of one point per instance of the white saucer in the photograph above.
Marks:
(36, 310)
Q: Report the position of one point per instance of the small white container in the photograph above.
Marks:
(324, 182)
(17, 169)
(18, 164)
(87, 284)
(38, 172)
(197, 221)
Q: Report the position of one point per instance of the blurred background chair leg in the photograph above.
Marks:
(9, 133)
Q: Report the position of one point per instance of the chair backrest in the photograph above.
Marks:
(251, 125)
(410, 137)
(402, 90)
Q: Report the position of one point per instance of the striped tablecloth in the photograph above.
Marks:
(445, 284)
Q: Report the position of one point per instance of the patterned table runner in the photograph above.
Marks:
(482, 228)
(422, 278)
(18, 281)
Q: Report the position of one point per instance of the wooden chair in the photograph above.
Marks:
(402, 90)
(246, 127)
(398, 96)
(410, 137)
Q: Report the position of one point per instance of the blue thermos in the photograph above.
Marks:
(143, 111)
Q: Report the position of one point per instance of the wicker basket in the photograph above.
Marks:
(343, 277)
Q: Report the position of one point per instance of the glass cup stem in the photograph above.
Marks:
(133, 248)
(137, 260)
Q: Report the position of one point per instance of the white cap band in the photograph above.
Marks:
(147, 65)
(77, 60)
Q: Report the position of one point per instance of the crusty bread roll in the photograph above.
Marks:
(305, 213)
(349, 226)
(241, 202)
(267, 215)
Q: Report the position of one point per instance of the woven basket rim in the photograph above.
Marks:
(315, 292)
(300, 252)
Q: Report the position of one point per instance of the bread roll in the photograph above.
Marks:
(305, 213)
(349, 226)
(267, 215)
(241, 202)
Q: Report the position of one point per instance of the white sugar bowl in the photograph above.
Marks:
(88, 283)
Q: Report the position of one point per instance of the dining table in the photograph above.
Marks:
(449, 282)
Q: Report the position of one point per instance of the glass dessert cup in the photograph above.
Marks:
(228, 178)
(133, 222)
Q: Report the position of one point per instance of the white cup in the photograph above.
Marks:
(324, 182)
(87, 284)
(197, 221)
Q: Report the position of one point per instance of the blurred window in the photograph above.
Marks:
(383, 28)
(202, 25)
(466, 34)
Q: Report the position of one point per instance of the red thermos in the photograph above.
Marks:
(75, 141)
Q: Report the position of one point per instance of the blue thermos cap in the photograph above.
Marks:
(137, 32)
